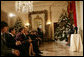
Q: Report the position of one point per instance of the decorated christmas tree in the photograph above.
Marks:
(63, 27)
(18, 24)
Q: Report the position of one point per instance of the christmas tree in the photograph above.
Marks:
(63, 27)
(18, 24)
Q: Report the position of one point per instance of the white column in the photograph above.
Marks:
(77, 14)
(81, 14)
(81, 9)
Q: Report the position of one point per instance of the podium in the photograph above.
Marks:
(76, 43)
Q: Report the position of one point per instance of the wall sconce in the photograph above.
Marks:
(48, 23)
(27, 24)
(11, 15)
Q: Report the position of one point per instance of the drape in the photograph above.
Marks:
(72, 9)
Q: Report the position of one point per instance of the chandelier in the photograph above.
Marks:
(24, 6)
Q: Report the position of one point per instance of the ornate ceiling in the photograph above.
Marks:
(9, 6)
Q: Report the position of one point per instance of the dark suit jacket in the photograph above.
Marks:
(71, 30)
(33, 37)
(11, 42)
(4, 49)
(76, 28)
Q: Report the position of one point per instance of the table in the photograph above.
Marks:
(76, 43)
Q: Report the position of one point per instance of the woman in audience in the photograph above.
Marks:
(30, 41)
(25, 41)
(33, 36)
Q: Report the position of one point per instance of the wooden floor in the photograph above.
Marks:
(57, 48)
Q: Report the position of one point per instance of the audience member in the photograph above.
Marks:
(5, 51)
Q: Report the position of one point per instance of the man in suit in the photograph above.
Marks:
(11, 42)
(4, 49)
(75, 29)
(40, 33)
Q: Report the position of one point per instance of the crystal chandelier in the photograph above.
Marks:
(24, 6)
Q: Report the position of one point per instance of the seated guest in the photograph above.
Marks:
(20, 36)
(34, 42)
(30, 42)
(36, 37)
(11, 42)
(25, 41)
(5, 51)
